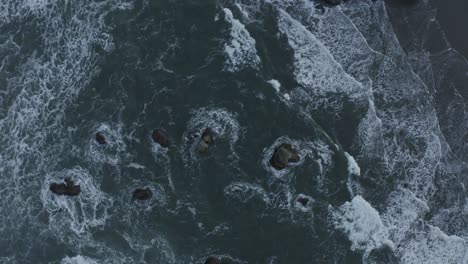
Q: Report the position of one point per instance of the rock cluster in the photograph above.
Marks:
(68, 188)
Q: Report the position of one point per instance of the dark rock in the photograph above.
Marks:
(401, 3)
(333, 2)
(304, 201)
(161, 137)
(283, 155)
(100, 139)
(68, 188)
(142, 194)
(212, 260)
(207, 139)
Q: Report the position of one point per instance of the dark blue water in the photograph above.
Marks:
(371, 96)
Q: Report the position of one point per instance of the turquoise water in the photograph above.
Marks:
(371, 97)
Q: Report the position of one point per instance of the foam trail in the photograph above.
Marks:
(275, 84)
(240, 50)
(40, 88)
(356, 42)
(353, 167)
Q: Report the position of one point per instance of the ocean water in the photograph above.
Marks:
(370, 92)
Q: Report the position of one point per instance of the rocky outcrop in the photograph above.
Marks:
(142, 194)
(283, 155)
(212, 260)
(100, 139)
(161, 137)
(206, 140)
(68, 188)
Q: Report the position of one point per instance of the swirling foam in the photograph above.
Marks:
(110, 152)
(223, 123)
(81, 214)
(40, 85)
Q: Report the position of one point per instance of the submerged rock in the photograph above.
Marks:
(68, 188)
(332, 2)
(192, 136)
(100, 139)
(212, 260)
(207, 139)
(142, 194)
(161, 137)
(401, 3)
(283, 155)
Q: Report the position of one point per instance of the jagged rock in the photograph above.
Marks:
(68, 188)
(283, 155)
(161, 137)
(100, 139)
(212, 260)
(206, 140)
(142, 194)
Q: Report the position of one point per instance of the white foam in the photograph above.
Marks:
(162, 158)
(315, 68)
(403, 210)
(42, 86)
(240, 49)
(275, 84)
(244, 192)
(136, 166)
(219, 230)
(432, 246)
(352, 50)
(353, 167)
(78, 260)
(362, 223)
(10, 10)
